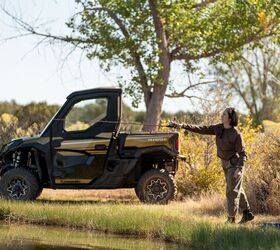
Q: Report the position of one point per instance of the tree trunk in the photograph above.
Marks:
(154, 100)
(154, 107)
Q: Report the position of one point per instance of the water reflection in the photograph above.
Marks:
(25, 244)
(42, 238)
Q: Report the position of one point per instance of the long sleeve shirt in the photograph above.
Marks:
(230, 145)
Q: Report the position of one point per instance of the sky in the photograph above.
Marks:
(39, 74)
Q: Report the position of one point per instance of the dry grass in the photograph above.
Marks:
(212, 206)
(89, 195)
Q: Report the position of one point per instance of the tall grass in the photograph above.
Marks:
(191, 222)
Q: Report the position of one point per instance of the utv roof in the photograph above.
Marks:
(95, 90)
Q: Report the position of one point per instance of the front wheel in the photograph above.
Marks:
(19, 184)
(156, 187)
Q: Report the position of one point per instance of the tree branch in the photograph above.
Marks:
(235, 85)
(175, 51)
(207, 54)
(188, 57)
(182, 93)
(46, 36)
(115, 18)
(133, 51)
(164, 55)
(80, 41)
(187, 96)
(249, 72)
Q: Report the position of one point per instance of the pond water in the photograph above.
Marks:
(42, 238)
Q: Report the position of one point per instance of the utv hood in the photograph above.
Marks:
(15, 143)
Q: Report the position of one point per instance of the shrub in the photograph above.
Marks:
(9, 128)
(263, 175)
(201, 173)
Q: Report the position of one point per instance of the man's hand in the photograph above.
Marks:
(237, 174)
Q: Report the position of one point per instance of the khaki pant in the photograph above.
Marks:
(236, 197)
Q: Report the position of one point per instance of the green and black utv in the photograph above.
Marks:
(82, 148)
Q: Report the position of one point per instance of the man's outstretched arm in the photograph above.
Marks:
(203, 129)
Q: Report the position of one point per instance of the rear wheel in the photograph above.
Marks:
(19, 184)
(156, 187)
(137, 193)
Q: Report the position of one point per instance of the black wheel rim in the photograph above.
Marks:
(156, 190)
(17, 188)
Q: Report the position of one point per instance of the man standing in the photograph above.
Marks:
(231, 151)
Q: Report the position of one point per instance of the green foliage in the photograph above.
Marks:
(123, 32)
(221, 26)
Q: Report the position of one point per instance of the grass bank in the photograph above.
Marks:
(197, 224)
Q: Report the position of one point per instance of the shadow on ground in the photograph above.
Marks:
(90, 202)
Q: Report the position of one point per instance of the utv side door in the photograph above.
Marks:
(81, 135)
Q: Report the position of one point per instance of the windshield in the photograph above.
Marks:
(48, 124)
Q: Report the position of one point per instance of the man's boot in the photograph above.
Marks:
(247, 216)
(230, 220)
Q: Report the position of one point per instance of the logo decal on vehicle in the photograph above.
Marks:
(157, 139)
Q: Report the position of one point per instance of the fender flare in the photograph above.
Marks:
(36, 149)
(150, 150)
